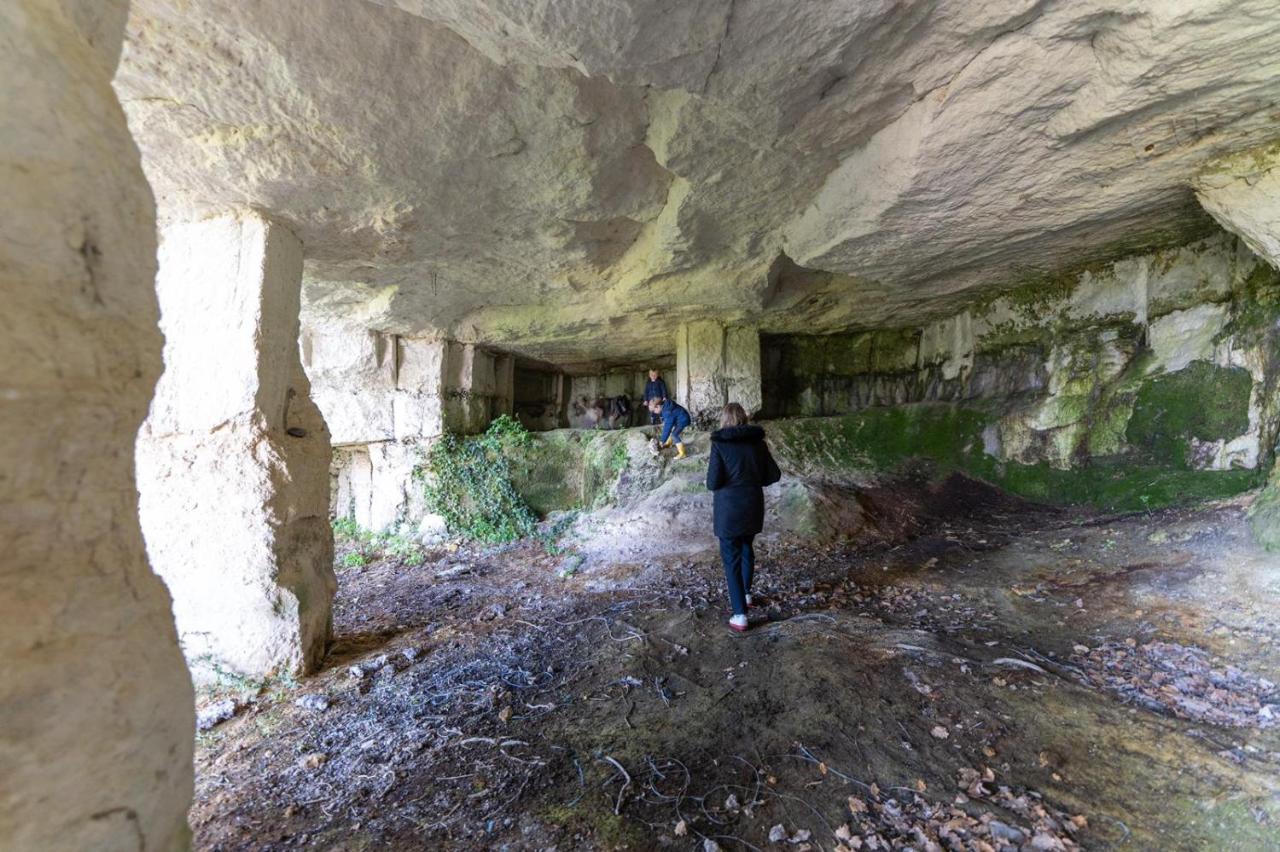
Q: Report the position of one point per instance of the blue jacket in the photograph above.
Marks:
(674, 417)
(740, 467)
(655, 389)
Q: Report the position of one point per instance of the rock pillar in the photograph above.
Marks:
(96, 717)
(233, 459)
(387, 397)
(504, 382)
(715, 365)
(1242, 192)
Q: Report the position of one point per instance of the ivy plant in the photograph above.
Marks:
(467, 481)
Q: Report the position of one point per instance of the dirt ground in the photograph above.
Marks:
(975, 673)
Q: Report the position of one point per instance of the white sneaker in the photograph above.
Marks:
(738, 622)
(748, 600)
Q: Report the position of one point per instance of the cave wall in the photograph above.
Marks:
(96, 706)
(1162, 358)
(386, 397)
(1242, 192)
(716, 364)
(540, 395)
(585, 391)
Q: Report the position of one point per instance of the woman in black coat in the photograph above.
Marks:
(740, 468)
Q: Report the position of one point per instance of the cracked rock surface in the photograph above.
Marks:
(569, 178)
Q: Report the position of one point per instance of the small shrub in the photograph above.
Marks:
(346, 529)
(406, 550)
(550, 535)
(467, 481)
(354, 559)
(621, 458)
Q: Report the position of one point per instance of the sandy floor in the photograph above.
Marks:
(988, 676)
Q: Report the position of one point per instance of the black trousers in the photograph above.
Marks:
(739, 558)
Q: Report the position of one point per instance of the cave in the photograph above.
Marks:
(336, 517)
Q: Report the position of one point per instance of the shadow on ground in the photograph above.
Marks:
(979, 674)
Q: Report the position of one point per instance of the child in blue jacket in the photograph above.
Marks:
(675, 419)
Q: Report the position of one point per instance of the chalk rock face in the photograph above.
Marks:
(1243, 193)
(574, 179)
(233, 460)
(1167, 358)
(96, 717)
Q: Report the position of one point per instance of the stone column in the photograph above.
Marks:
(715, 365)
(389, 401)
(420, 386)
(96, 717)
(504, 380)
(1242, 192)
(233, 460)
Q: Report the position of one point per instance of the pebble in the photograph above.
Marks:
(312, 701)
(1008, 833)
(215, 714)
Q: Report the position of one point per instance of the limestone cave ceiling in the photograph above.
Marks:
(572, 177)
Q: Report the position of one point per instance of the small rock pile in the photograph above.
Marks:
(1166, 677)
(913, 822)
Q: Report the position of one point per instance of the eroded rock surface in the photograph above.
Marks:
(96, 716)
(233, 459)
(573, 181)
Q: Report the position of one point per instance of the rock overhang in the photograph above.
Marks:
(570, 182)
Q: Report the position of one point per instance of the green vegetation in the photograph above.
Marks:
(370, 545)
(468, 482)
(1202, 401)
(570, 469)
(949, 438)
(1264, 517)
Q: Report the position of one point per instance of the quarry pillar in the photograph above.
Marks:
(716, 364)
(387, 397)
(1242, 192)
(96, 717)
(233, 459)
(504, 379)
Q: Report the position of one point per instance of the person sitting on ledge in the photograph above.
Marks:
(655, 388)
(675, 419)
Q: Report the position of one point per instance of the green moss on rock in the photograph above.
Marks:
(1203, 401)
(570, 469)
(1264, 517)
(949, 438)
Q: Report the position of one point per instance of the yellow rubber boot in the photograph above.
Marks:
(668, 442)
(680, 451)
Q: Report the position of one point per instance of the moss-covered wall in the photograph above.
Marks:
(939, 438)
(1167, 359)
(577, 469)
(573, 469)
(1140, 384)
